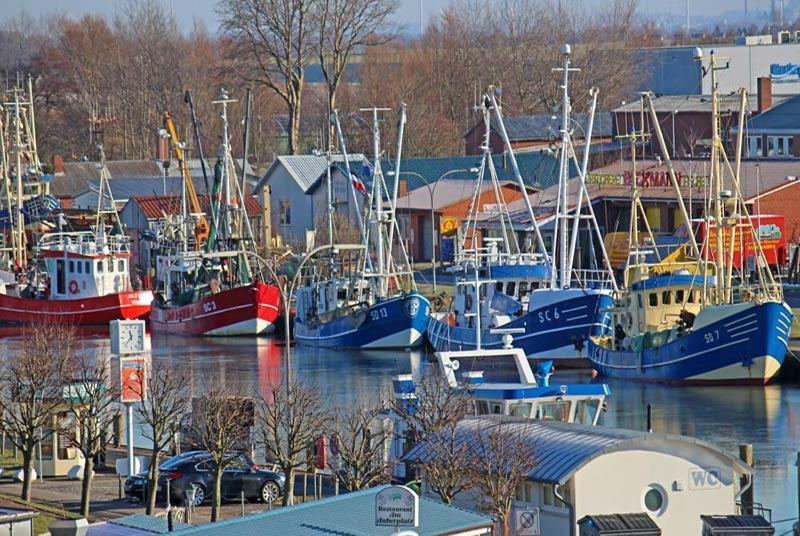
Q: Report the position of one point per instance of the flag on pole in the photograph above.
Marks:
(357, 184)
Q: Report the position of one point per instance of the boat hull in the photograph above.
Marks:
(732, 344)
(555, 323)
(394, 323)
(94, 311)
(242, 311)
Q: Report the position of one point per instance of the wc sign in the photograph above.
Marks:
(704, 478)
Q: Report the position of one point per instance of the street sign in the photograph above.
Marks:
(526, 522)
(396, 506)
(132, 373)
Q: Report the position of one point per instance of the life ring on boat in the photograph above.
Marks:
(451, 319)
(73, 287)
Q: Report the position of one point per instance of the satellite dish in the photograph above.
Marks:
(455, 365)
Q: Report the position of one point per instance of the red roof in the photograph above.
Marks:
(155, 206)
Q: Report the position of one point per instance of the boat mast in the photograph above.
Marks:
(377, 206)
(224, 100)
(717, 182)
(343, 148)
(562, 207)
(19, 255)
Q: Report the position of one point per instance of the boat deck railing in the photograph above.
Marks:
(85, 243)
(754, 509)
(486, 255)
(593, 278)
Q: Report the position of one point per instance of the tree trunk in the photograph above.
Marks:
(288, 488)
(216, 499)
(332, 141)
(27, 467)
(294, 128)
(86, 485)
(152, 483)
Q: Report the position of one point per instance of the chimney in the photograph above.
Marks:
(58, 164)
(764, 93)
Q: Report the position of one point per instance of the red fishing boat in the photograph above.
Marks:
(79, 278)
(214, 286)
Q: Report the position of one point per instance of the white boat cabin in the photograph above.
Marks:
(328, 296)
(84, 264)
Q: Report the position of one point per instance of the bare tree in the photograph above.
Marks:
(272, 43)
(432, 418)
(31, 389)
(220, 421)
(343, 26)
(288, 421)
(92, 398)
(500, 461)
(362, 440)
(160, 411)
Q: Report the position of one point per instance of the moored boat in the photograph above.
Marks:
(215, 289)
(706, 319)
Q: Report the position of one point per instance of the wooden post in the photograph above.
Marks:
(305, 485)
(336, 485)
(314, 476)
(746, 455)
(243, 504)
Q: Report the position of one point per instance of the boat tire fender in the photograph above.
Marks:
(73, 287)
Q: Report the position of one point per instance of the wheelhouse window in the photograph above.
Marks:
(99, 267)
(87, 265)
(80, 267)
(121, 266)
(72, 267)
(523, 289)
(679, 296)
(522, 409)
(666, 297)
(554, 411)
(653, 299)
(510, 288)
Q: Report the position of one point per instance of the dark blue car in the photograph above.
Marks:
(191, 479)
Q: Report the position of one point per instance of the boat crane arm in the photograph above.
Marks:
(201, 230)
(501, 126)
(663, 145)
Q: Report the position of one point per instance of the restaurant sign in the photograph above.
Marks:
(396, 506)
(646, 179)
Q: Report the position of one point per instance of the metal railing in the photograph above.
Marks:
(85, 243)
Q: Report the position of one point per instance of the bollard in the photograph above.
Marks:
(336, 485)
(119, 487)
(168, 504)
(243, 504)
(649, 419)
(314, 476)
(305, 486)
(746, 455)
(170, 520)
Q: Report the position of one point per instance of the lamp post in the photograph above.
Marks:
(432, 191)
(287, 291)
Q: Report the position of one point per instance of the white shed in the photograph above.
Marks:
(583, 470)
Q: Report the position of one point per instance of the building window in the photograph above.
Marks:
(285, 212)
(754, 146)
(779, 146)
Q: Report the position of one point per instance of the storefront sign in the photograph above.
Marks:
(396, 506)
(784, 73)
(646, 179)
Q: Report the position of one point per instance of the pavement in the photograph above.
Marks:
(108, 500)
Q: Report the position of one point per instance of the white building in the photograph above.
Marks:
(582, 470)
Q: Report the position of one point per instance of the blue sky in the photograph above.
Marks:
(408, 14)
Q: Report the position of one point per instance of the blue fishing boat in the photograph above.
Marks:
(375, 305)
(551, 304)
(698, 319)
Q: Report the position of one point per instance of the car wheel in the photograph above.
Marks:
(199, 493)
(270, 492)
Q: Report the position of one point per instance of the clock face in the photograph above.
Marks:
(131, 338)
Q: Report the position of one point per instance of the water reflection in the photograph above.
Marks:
(726, 416)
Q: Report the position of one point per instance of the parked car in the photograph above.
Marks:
(191, 475)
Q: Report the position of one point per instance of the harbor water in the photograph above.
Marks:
(767, 417)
